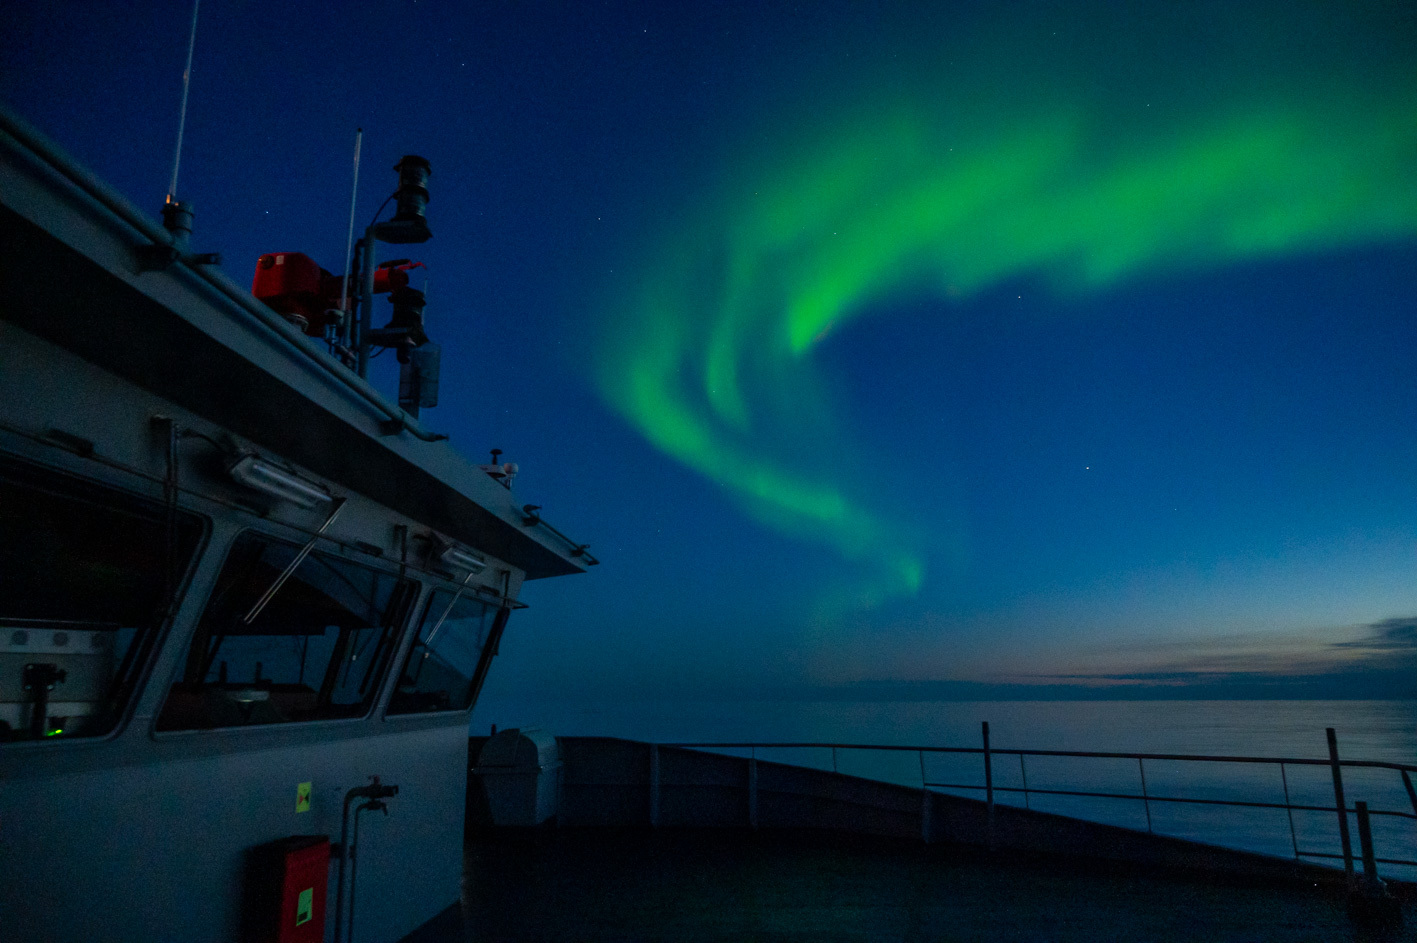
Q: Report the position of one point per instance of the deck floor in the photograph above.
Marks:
(592, 885)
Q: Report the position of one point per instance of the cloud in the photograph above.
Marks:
(1380, 663)
(1377, 661)
(1396, 636)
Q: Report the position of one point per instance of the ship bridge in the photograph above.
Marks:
(247, 603)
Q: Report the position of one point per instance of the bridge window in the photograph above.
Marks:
(447, 660)
(87, 577)
(316, 650)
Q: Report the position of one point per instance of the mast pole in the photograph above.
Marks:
(182, 117)
(347, 291)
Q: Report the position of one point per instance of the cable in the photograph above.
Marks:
(381, 209)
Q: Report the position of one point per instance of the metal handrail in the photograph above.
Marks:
(1340, 808)
(823, 744)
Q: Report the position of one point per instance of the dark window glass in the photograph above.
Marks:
(442, 664)
(316, 651)
(87, 577)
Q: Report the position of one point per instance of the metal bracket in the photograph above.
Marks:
(158, 257)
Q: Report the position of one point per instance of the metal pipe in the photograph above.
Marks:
(366, 301)
(1365, 842)
(1023, 772)
(1146, 803)
(1403, 861)
(182, 115)
(345, 854)
(1239, 803)
(1342, 809)
(373, 805)
(1146, 797)
(347, 286)
(1293, 837)
(819, 744)
(375, 790)
(31, 138)
(353, 877)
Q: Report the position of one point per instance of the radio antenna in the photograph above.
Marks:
(349, 240)
(182, 120)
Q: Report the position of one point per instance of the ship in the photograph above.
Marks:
(248, 602)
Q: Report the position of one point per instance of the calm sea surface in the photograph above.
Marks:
(1367, 730)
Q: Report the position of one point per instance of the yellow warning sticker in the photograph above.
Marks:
(305, 906)
(302, 797)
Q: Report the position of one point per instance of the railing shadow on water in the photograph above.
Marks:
(1283, 806)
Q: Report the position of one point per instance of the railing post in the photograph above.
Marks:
(1289, 808)
(989, 783)
(1365, 842)
(1369, 901)
(1338, 799)
(1023, 771)
(654, 784)
(1145, 800)
(752, 792)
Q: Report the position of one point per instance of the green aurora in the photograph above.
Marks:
(996, 160)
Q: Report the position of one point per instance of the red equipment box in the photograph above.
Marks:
(293, 284)
(287, 881)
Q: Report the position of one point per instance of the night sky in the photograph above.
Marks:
(893, 349)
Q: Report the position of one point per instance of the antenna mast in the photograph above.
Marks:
(347, 290)
(182, 119)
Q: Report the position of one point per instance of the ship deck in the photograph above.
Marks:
(630, 884)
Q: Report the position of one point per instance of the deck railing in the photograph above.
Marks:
(1359, 810)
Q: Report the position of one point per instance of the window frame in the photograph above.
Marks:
(502, 609)
(142, 497)
(334, 548)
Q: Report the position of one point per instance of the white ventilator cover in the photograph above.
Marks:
(519, 748)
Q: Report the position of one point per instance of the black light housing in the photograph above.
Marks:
(410, 223)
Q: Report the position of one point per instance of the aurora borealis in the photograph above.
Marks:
(950, 185)
(901, 342)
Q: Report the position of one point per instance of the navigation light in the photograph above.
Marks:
(278, 483)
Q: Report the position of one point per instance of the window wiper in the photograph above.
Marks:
(462, 588)
(291, 567)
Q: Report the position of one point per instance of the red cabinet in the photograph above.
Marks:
(286, 887)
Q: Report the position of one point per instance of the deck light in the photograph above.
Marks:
(462, 560)
(278, 483)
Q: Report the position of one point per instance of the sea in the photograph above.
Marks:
(1365, 730)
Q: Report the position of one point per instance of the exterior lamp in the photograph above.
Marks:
(462, 560)
(410, 224)
(270, 479)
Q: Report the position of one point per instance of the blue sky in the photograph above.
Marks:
(1195, 475)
